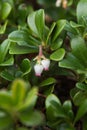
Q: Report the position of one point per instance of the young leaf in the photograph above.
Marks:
(3, 27)
(4, 49)
(39, 21)
(6, 9)
(30, 99)
(18, 91)
(58, 29)
(32, 24)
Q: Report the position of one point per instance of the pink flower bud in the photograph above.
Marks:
(46, 64)
(38, 68)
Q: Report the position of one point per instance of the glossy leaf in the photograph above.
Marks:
(81, 10)
(25, 66)
(71, 62)
(58, 29)
(3, 27)
(81, 86)
(50, 31)
(79, 97)
(78, 45)
(6, 9)
(54, 108)
(31, 23)
(48, 81)
(57, 44)
(8, 62)
(7, 75)
(40, 23)
(4, 49)
(57, 55)
(16, 49)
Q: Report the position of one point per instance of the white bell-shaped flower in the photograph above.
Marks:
(46, 64)
(58, 3)
(38, 68)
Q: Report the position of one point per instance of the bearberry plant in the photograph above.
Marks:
(43, 65)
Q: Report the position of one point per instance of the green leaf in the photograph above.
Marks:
(58, 29)
(79, 97)
(51, 98)
(19, 88)
(81, 10)
(16, 49)
(65, 126)
(6, 9)
(47, 82)
(21, 37)
(79, 49)
(4, 49)
(30, 99)
(81, 86)
(3, 27)
(67, 105)
(70, 2)
(57, 55)
(22, 128)
(5, 120)
(54, 108)
(6, 75)
(25, 66)
(40, 22)
(32, 118)
(56, 44)
(50, 31)
(8, 62)
(5, 100)
(81, 111)
(32, 24)
(71, 62)
(75, 25)
(36, 23)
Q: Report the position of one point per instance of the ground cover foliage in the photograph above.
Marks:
(43, 65)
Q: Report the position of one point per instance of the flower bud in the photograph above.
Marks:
(38, 68)
(46, 64)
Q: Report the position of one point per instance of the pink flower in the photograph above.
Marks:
(46, 64)
(38, 68)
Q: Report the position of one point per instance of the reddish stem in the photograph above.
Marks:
(40, 51)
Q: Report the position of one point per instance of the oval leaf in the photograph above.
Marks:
(58, 55)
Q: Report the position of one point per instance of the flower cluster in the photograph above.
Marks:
(42, 63)
(63, 2)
